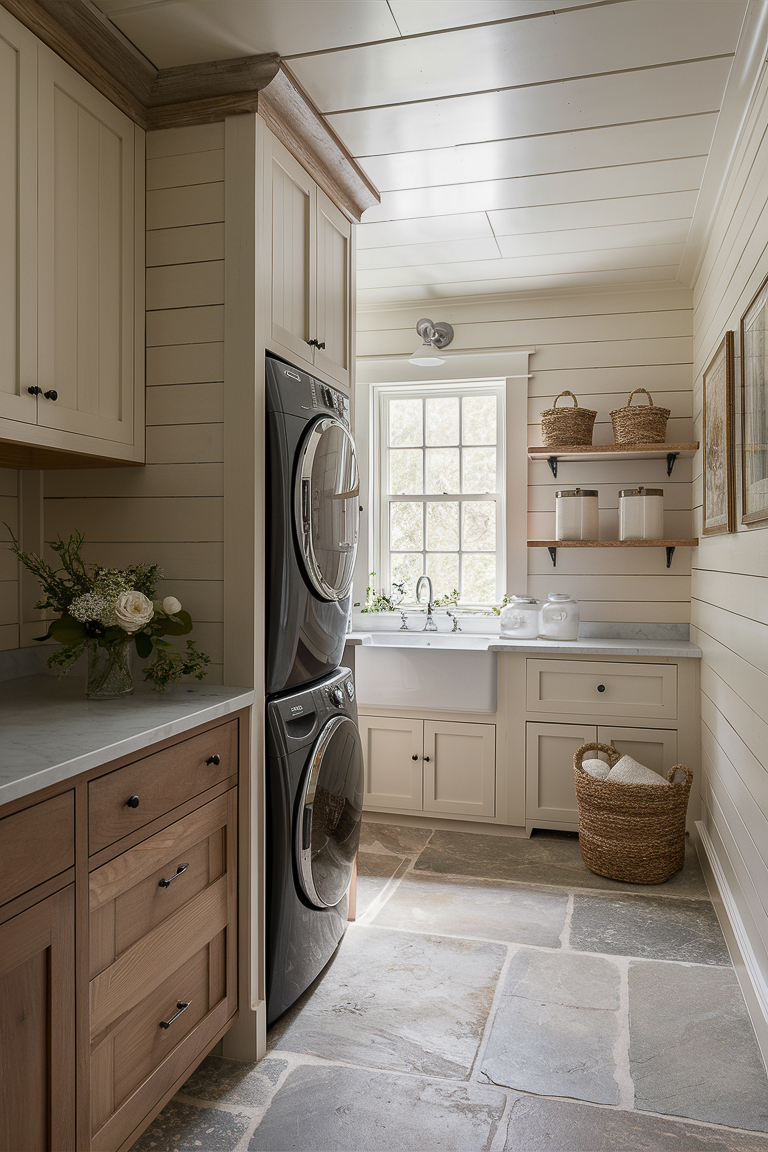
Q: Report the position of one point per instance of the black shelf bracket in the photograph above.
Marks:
(552, 461)
(670, 554)
(553, 556)
(671, 457)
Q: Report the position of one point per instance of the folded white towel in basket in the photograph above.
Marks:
(597, 768)
(629, 771)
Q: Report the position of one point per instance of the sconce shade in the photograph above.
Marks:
(435, 337)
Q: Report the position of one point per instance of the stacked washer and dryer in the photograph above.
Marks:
(314, 755)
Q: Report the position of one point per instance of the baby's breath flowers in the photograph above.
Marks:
(104, 607)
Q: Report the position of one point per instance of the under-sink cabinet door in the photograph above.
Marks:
(459, 768)
(550, 795)
(392, 752)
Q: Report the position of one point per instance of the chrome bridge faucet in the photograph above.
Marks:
(429, 625)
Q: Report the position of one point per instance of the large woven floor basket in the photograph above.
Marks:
(631, 832)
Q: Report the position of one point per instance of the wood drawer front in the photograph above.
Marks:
(36, 844)
(580, 687)
(161, 781)
(125, 896)
(137, 1045)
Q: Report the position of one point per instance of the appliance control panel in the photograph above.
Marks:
(324, 396)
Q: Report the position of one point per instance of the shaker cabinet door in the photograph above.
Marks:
(392, 755)
(293, 200)
(334, 257)
(459, 768)
(550, 794)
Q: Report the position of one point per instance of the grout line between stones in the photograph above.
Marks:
(622, 1074)
(474, 1072)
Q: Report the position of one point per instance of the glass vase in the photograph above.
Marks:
(109, 670)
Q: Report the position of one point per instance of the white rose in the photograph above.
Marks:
(171, 605)
(133, 610)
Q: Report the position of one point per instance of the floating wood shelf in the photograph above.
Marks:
(670, 545)
(611, 452)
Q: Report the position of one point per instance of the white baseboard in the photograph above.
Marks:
(748, 971)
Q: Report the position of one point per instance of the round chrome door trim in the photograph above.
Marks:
(305, 810)
(302, 509)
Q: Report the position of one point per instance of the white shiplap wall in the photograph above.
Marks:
(601, 347)
(729, 608)
(170, 512)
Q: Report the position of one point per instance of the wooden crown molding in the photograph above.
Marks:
(160, 98)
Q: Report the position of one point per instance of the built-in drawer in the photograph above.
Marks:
(604, 689)
(138, 890)
(36, 844)
(130, 797)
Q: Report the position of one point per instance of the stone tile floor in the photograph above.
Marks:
(494, 994)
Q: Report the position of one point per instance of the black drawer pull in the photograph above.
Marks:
(51, 394)
(601, 687)
(167, 883)
(414, 757)
(132, 802)
(426, 758)
(182, 1007)
(215, 759)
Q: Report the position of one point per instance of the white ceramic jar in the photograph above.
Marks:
(520, 618)
(641, 514)
(559, 617)
(576, 514)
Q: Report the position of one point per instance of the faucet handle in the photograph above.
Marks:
(456, 625)
(404, 626)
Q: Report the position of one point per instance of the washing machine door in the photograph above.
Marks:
(329, 813)
(327, 507)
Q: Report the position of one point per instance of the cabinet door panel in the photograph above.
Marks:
(293, 255)
(86, 267)
(392, 751)
(37, 1024)
(656, 748)
(459, 768)
(18, 223)
(550, 796)
(333, 288)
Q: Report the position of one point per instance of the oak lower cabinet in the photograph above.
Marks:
(550, 792)
(437, 766)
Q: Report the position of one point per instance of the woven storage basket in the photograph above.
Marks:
(566, 426)
(640, 425)
(631, 832)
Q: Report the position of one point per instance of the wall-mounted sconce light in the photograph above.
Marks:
(435, 337)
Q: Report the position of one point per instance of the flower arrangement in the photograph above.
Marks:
(103, 610)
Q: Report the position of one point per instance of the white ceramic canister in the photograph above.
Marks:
(520, 618)
(576, 514)
(641, 514)
(559, 617)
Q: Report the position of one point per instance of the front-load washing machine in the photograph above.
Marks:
(313, 497)
(314, 809)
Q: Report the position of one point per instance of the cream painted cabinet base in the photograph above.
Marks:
(437, 766)
(550, 792)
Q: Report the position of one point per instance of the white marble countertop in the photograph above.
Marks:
(584, 646)
(49, 732)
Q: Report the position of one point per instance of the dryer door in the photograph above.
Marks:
(329, 813)
(326, 507)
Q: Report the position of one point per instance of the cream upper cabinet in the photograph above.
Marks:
(311, 261)
(71, 258)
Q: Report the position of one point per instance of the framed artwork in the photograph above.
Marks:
(754, 409)
(719, 513)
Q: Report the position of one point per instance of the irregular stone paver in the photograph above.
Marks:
(656, 927)
(398, 1000)
(349, 1109)
(556, 1025)
(235, 1081)
(541, 860)
(692, 1049)
(397, 839)
(487, 908)
(184, 1127)
(538, 1125)
(374, 872)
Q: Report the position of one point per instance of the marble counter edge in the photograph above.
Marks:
(27, 782)
(586, 646)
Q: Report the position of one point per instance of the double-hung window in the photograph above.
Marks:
(441, 484)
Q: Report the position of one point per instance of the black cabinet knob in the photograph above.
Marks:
(132, 802)
(427, 759)
(51, 394)
(215, 759)
(414, 757)
(601, 687)
(34, 390)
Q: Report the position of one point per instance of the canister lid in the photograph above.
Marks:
(577, 492)
(523, 600)
(641, 492)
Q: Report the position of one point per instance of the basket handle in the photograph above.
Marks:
(681, 783)
(650, 398)
(612, 753)
(566, 393)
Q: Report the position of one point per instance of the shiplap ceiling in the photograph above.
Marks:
(519, 145)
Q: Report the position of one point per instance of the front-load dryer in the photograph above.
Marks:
(313, 496)
(314, 809)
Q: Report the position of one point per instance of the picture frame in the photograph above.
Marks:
(719, 504)
(754, 409)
